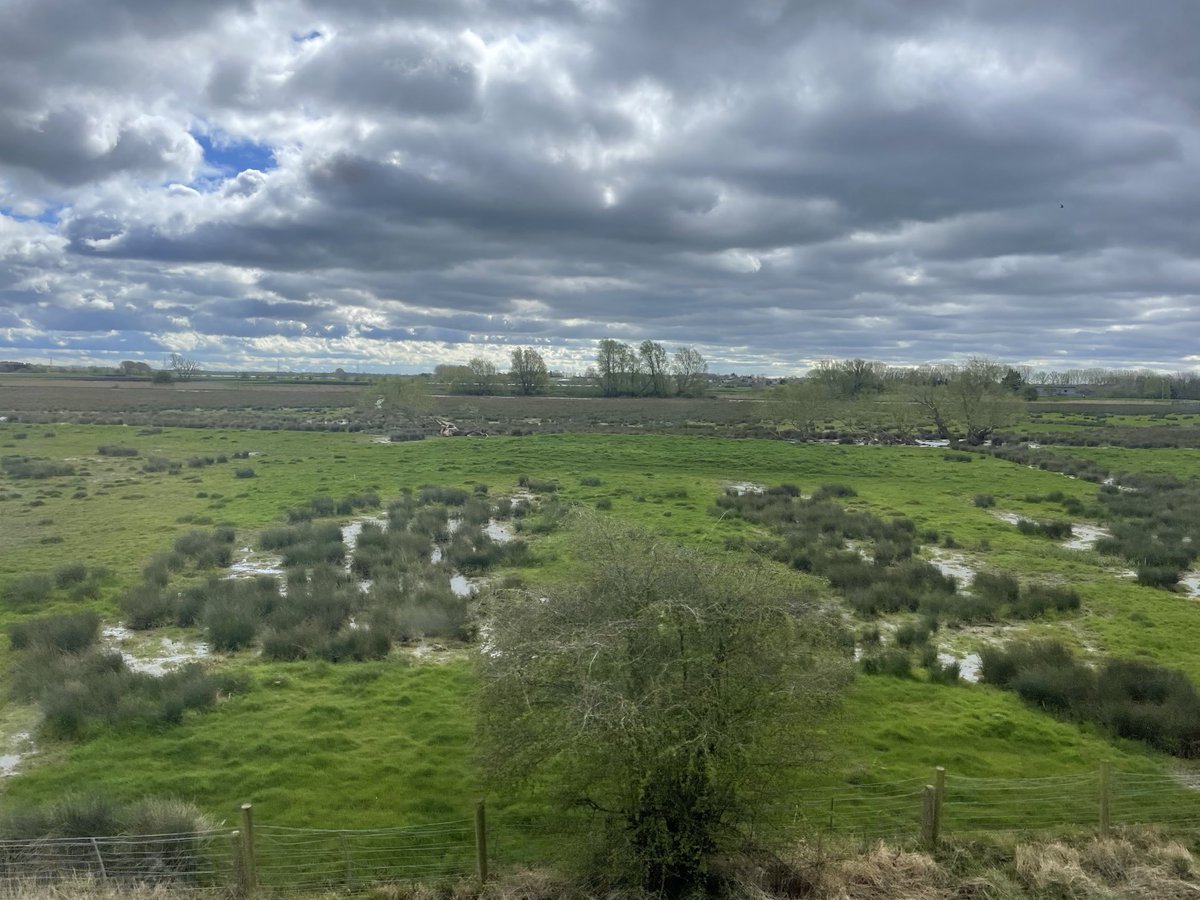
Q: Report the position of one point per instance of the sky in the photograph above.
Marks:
(385, 186)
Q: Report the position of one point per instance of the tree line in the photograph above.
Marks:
(648, 370)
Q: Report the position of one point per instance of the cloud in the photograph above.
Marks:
(774, 182)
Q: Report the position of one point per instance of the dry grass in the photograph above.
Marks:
(1135, 865)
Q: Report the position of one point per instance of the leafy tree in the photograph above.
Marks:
(690, 371)
(664, 691)
(528, 373)
(1012, 381)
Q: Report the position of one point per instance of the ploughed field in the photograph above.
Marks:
(167, 535)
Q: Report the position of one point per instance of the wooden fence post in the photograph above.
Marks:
(249, 871)
(1105, 797)
(939, 785)
(929, 816)
(235, 859)
(481, 859)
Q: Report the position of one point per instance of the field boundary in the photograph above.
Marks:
(911, 811)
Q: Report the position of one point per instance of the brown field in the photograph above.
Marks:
(205, 403)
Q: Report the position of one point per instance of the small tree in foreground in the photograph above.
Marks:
(664, 692)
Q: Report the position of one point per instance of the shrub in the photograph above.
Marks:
(147, 606)
(830, 491)
(70, 574)
(590, 481)
(606, 503)
(985, 501)
(892, 661)
(25, 591)
(447, 496)
(37, 469)
(243, 473)
(912, 634)
(1158, 576)
(229, 623)
(109, 450)
(69, 633)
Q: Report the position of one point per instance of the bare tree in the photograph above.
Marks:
(971, 402)
(483, 375)
(690, 371)
(396, 397)
(655, 365)
(184, 367)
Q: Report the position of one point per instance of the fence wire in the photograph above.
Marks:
(198, 860)
(312, 858)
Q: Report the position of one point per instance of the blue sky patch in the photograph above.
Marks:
(231, 156)
(307, 36)
(48, 216)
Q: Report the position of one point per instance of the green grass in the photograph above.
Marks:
(376, 744)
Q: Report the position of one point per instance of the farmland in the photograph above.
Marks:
(391, 740)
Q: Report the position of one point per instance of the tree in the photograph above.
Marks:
(615, 367)
(1012, 381)
(528, 373)
(483, 375)
(129, 367)
(184, 367)
(849, 379)
(690, 371)
(396, 397)
(654, 364)
(969, 401)
(800, 406)
(663, 691)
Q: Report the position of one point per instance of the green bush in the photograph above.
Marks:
(70, 633)
(147, 606)
(26, 591)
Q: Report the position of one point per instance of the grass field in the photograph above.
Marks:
(380, 743)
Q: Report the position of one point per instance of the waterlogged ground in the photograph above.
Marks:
(385, 743)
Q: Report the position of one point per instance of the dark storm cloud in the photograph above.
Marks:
(774, 181)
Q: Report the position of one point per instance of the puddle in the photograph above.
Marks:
(1112, 482)
(252, 563)
(18, 748)
(941, 442)
(462, 586)
(969, 666)
(1190, 582)
(953, 564)
(351, 531)
(744, 487)
(1084, 536)
(154, 659)
(500, 532)
(1009, 517)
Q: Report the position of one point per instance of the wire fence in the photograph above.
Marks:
(284, 859)
(201, 859)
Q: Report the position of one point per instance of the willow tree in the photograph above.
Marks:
(664, 692)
